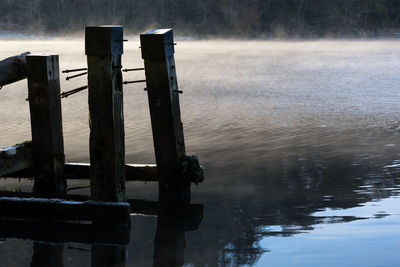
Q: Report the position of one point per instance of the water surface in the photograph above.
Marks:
(299, 140)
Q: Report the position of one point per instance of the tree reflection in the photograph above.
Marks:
(279, 197)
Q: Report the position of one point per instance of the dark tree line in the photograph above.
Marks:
(246, 18)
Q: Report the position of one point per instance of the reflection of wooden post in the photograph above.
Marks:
(107, 148)
(46, 124)
(105, 256)
(158, 54)
(169, 243)
(47, 255)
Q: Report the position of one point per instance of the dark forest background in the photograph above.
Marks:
(242, 18)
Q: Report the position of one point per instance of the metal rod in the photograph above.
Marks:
(74, 91)
(138, 81)
(77, 75)
(126, 70)
(73, 70)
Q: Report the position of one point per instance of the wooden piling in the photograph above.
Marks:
(163, 94)
(104, 47)
(46, 124)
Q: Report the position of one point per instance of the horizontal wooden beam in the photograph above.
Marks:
(64, 232)
(24, 169)
(16, 158)
(138, 206)
(58, 210)
(133, 172)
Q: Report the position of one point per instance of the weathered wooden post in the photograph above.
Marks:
(104, 47)
(162, 87)
(46, 124)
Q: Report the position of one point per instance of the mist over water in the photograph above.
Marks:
(299, 141)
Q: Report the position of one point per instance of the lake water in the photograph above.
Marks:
(300, 142)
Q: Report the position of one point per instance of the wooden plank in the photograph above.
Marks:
(13, 69)
(71, 232)
(59, 210)
(107, 145)
(163, 95)
(46, 124)
(134, 172)
(193, 217)
(16, 158)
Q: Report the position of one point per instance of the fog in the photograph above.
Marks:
(206, 18)
(298, 138)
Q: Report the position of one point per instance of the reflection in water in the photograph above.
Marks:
(297, 138)
(47, 255)
(169, 243)
(107, 256)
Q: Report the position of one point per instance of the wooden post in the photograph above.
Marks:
(162, 87)
(46, 124)
(104, 47)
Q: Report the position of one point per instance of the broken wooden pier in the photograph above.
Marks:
(43, 158)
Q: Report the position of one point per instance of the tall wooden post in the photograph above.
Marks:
(104, 46)
(46, 123)
(162, 87)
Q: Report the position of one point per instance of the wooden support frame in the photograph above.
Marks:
(46, 124)
(158, 53)
(104, 47)
(107, 169)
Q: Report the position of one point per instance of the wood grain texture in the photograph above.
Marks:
(46, 124)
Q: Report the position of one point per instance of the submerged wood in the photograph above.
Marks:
(59, 210)
(13, 69)
(137, 206)
(16, 158)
